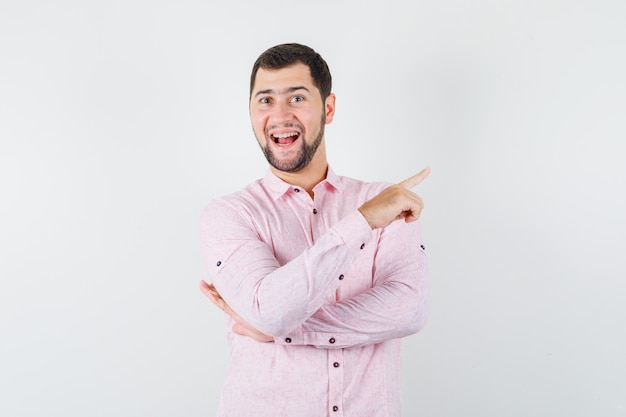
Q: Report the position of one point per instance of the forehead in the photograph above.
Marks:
(276, 80)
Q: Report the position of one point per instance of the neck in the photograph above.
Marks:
(308, 177)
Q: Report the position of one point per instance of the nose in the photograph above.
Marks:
(281, 113)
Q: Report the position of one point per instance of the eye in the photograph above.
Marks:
(297, 99)
(264, 100)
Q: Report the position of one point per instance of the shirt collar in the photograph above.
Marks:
(333, 179)
(277, 187)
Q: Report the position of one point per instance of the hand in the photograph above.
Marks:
(395, 202)
(240, 327)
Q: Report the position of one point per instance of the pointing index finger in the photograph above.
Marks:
(415, 179)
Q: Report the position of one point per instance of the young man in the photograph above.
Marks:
(317, 277)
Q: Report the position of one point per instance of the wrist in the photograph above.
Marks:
(366, 217)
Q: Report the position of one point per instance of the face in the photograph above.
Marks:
(288, 116)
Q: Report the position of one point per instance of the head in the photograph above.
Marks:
(290, 104)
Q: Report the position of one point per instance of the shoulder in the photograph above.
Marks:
(240, 204)
(252, 193)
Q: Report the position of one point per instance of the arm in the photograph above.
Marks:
(275, 299)
(396, 305)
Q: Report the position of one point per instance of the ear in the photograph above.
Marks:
(329, 107)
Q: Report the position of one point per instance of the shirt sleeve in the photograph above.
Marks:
(275, 299)
(396, 305)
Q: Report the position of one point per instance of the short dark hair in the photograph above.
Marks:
(287, 54)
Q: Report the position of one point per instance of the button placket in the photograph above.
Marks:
(316, 216)
(335, 379)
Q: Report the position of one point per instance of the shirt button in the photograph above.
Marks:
(297, 190)
(362, 245)
(335, 408)
(219, 263)
(331, 340)
(288, 340)
(314, 211)
(340, 277)
(336, 364)
(423, 247)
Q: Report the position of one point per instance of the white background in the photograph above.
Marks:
(119, 120)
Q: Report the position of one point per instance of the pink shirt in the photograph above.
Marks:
(336, 296)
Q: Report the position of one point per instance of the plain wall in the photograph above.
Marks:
(120, 120)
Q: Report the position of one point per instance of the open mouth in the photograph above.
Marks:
(285, 139)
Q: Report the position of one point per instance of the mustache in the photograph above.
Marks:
(283, 126)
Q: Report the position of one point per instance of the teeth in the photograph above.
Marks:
(284, 135)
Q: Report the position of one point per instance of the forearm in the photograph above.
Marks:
(389, 311)
(396, 306)
(272, 298)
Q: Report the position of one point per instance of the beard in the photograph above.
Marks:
(302, 158)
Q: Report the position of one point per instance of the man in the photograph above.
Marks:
(317, 277)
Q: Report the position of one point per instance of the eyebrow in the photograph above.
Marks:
(286, 90)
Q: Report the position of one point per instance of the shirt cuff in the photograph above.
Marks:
(322, 340)
(354, 230)
(295, 338)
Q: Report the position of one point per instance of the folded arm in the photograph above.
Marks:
(395, 306)
(275, 299)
